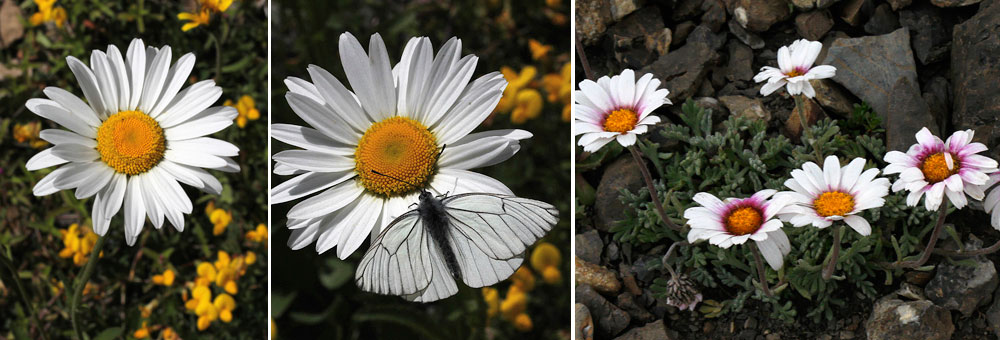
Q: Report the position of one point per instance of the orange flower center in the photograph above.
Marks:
(621, 121)
(398, 147)
(833, 203)
(131, 142)
(935, 167)
(742, 221)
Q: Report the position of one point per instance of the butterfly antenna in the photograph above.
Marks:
(411, 184)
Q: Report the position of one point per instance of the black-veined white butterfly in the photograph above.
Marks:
(479, 238)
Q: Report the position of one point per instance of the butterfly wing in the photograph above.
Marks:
(442, 284)
(400, 261)
(490, 233)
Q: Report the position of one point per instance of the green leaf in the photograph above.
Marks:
(109, 334)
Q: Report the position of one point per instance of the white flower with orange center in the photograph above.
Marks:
(736, 220)
(951, 168)
(835, 193)
(616, 108)
(795, 69)
(371, 149)
(135, 138)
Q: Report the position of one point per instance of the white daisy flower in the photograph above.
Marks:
(737, 220)
(992, 201)
(616, 108)
(135, 138)
(938, 168)
(836, 193)
(396, 121)
(795, 68)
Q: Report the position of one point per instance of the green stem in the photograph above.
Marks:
(926, 255)
(760, 270)
(830, 266)
(800, 102)
(652, 189)
(23, 293)
(81, 282)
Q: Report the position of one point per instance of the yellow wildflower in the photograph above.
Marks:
(246, 108)
(515, 303)
(559, 88)
(515, 82)
(529, 106)
(258, 235)
(250, 258)
(274, 329)
(209, 208)
(492, 298)
(194, 19)
(47, 12)
(553, 3)
(523, 279)
(522, 322)
(169, 334)
(217, 6)
(538, 50)
(29, 133)
(142, 332)
(225, 305)
(206, 274)
(165, 279)
(78, 243)
(198, 293)
(229, 271)
(545, 258)
(147, 309)
(220, 220)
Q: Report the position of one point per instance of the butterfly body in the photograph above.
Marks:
(435, 219)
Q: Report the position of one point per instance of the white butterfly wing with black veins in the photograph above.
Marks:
(479, 238)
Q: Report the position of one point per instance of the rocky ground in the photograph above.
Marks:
(916, 63)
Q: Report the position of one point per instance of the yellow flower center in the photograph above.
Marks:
(833, 203)
(936, 169)
(621, 121)
(398, 147)
(742, 221)
(131, 142)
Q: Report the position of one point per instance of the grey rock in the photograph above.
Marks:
(592, 19)
(740, 62)
(759, 15)
(626, 301)
(715, 14)
(930, 33)
(703, 34)
(870, 66)
(907, 113)
(893, 319)
(681, 32)
(937, 95)
(993, 315)
(746, 37)
(589, 246)
(954, 3)
(897, 4)
(832, 97)
(746, 107)
(963, 288)
(686, 9)
(683, 69)
(883, 21)
(719, 111)
(810, 110)
(584, 323)
(596, 276)
(623, 173)
(608, 318)
(911, 291)
(621, 8)
(806, 5)
(813, 25)
(655, 330)
(855, 12)
(975, 71)
(640, 38)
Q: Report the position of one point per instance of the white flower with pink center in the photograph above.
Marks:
(736, 220)
(950, 168)
(795, 69)
(616, 108)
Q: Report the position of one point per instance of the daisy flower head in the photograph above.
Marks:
(950, 168)
(835, 193)
(616, 108)
(991, 203)
(138, 136)
(736, 220)
(395, 121)
(795, 68)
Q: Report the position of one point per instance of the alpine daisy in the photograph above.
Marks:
(616, 108)
(396, 121)
(737, 220)
(938, 168)
(821, 197)
(795, 68)
(137, 136)
(991, 204)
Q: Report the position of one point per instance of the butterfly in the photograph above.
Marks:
(478, 238)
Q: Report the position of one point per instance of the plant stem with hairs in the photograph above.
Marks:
(830, 266)
(926, 255)
(760, 270)
(652, 189)
(81, 282)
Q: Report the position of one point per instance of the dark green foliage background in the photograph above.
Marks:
(314, 296)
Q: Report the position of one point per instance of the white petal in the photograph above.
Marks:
(327, 201)
(859, 224)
